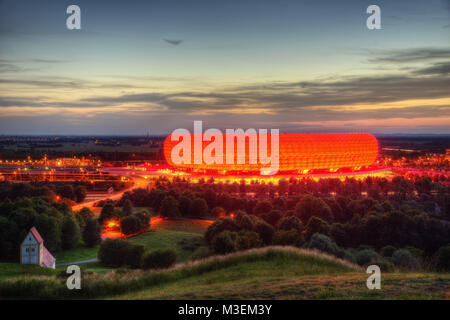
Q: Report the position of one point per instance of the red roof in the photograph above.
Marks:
(36, 235)
(48, 260)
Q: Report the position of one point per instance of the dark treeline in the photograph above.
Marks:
(372, 213)
(25, 205)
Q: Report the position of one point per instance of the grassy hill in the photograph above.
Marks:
(272, 272)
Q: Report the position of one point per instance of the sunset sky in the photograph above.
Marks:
(300, 66)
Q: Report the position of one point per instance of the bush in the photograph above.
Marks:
(159, 259)
(323, 243)
(443, 255)
(248, 239)
(113, 252)
(91, 233)
(405, 259)
(265, 232)
(387, 251)
(367, 256)
(218, 226)
(224, 242)
(243, 221)
(134, 255)
(200, 253)
(130, 225)
(287, 238)
(385, 264)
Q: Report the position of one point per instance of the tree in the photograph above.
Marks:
(272, 217)
(127, 208)
(310, 206)
(243, 221)
(70, 233)
(218, 226)
(316, 225)
(130, 225)
(49, 230)
(67, 191)
(91, 233)
(224, 242)
(262, 207)
(107, 212)
(287, 238)
(198, 208)
(443, 255)
(247, 239)
(289, 223)
(80, 193)
(265, 232)
(218, 212)
(169, 207)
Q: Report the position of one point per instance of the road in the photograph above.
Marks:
(75, 262)
(138, 183)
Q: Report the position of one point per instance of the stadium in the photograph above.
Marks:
(298, 154)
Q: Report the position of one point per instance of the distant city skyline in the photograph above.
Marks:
(300, 66)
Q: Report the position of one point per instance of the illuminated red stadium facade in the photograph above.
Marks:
(297, 153)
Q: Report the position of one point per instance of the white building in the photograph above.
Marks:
(32, 251)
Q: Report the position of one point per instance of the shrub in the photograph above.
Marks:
(323, 243)
(91, 233)
(265, 232)
(224, 242)
(366, 256)
(113, 252)
(404, 259)
(200, 253)
(287, 238)
(443, 255)
(218, 226)
(130, 225)
(159, 259)
(248, 239)
(134, 255)
(385, 264)
(243, 221)
(388, 251)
